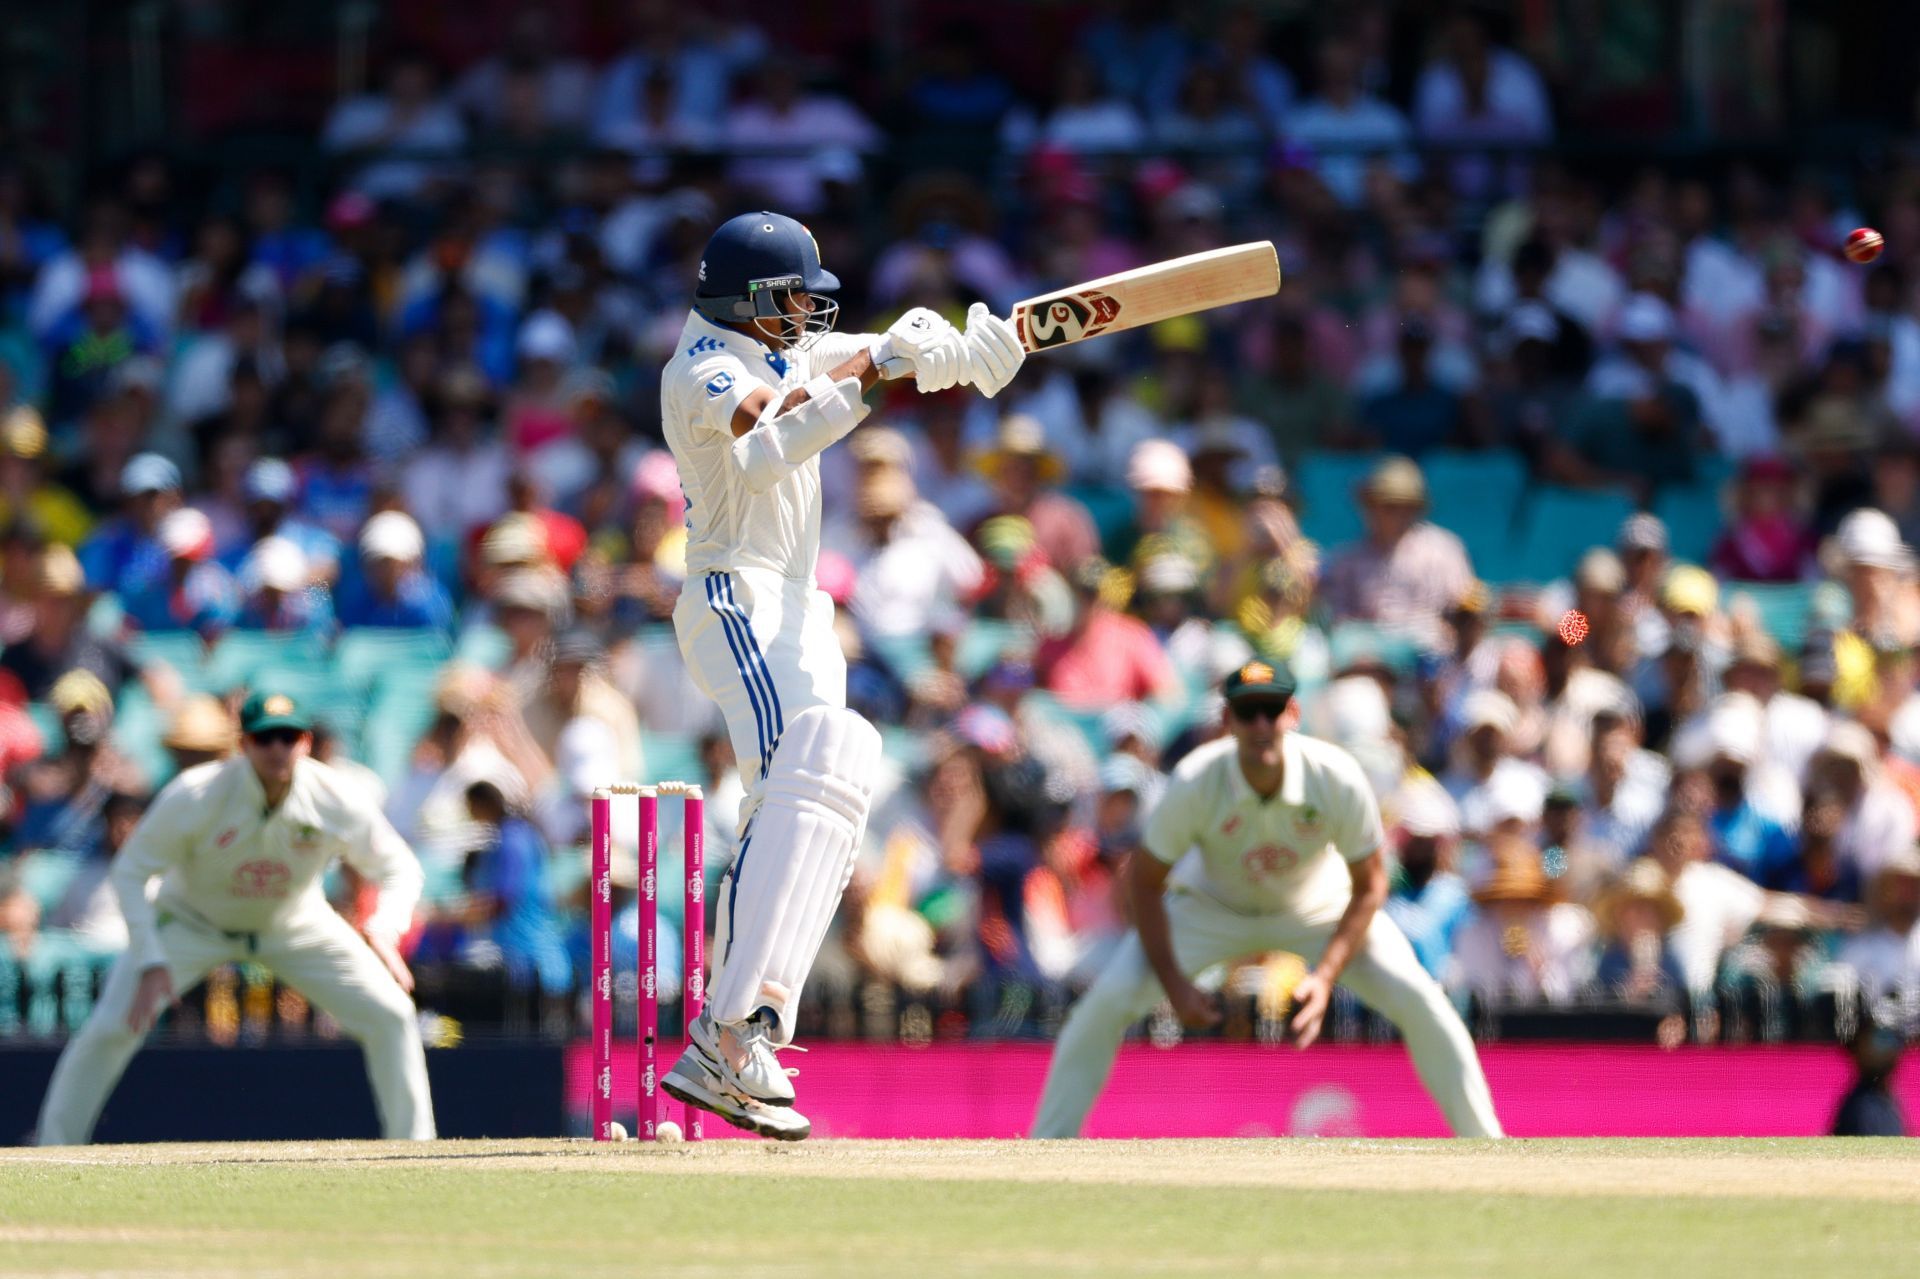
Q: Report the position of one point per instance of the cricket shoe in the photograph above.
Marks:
(742, 1055)
(692, 1082)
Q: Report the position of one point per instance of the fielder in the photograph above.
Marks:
(239, 846)
(1264, 840)
(759, 387)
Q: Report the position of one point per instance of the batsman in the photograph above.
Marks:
(759, 386)
(1264, 840)
(239, 847)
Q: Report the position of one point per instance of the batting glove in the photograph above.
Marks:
(994, 353)
(924, 344)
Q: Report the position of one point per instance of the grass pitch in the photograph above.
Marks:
(927, 1208)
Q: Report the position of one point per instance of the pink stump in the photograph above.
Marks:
(602, 890)
(693, 969)
(649, 965)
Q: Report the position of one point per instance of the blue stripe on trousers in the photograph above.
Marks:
(740, 664)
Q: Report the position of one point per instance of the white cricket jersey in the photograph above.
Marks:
(226, 860)
(728, 527)
(1283, 855)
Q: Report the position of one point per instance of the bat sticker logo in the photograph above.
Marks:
(1071, 317)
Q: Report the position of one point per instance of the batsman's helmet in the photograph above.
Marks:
(755, 259)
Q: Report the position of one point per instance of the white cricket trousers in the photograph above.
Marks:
(317, 953)
(1384, 973)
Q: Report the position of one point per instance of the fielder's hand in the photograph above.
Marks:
(389, 955)
(1194, 1007)
(1310, 1000)
(922, 343)
(994, 353)
(154, 993)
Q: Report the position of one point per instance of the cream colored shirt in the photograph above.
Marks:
(728, 527)
(1257, 856)
(225, 860)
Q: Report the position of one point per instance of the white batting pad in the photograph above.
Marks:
(785, 885)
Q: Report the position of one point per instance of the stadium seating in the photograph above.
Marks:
(1693, 518)
(1557, 525)
(1324, 484)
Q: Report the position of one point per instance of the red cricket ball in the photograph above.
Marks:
(1864, 244)
(1573, 626)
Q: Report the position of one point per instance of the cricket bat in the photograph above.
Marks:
(1147, 295)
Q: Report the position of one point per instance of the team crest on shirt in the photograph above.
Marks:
(719, 385)
(1267, 861)
(261, 878)
(306, 838)
(1307, 821)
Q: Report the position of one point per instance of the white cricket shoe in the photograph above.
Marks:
(692, 1082)
(743, 1056)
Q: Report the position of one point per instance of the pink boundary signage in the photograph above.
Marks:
(1229, 1090)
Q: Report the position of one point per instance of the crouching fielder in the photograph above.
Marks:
(239, 846)
(1265, 840)
(759, 387)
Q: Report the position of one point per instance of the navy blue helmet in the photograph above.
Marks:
(749, 266)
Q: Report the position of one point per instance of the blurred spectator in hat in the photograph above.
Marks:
(589, 473)
(1521, 675)
(1428, 899)
(1166, 598)
(1767, 541)
(1749, 833)
(392, 588)
(126, 548)
(1492, 786)
(536, 413)
(61, 796)
(911, 564)
(1406, 571)
(1161, 480)
(278, 593)
(1624, 788)
(1641, 543)
(60, 640)
(195, 593)
(201, 386)
(1222, 465)
(410, 115)
(1638, 426)
(1105, 656)
(200, 730)
(1885, 957)
(528, 605)
(1675, 682)
(1522, 944)
(1818, 869)
(560, 538)
(1301, 404)
(103, 247)
(1794, 725)
(1022, 470)
(271, 491)
(25, 490)
(1636, 915)
(1867, 556)
(575, 686)
(1718, 904)
(1879, 821)
(458, 482)
(1784, 952)
(1349, 130)
(86, 347)
(1061, 748)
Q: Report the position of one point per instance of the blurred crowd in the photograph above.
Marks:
(409, 423)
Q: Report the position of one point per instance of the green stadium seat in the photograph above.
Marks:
(1325, 484)
(237, 659)
(1784, 610)
(1557, 526)
(1112, 512)
(1350, 641)
(184, 651)
(984, 642)
(1693, 518)
(365, 658)
(483, 646)
(1475, 496)
(46, 873)
(671, 757)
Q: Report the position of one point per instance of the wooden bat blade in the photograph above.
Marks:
(1147, 295)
